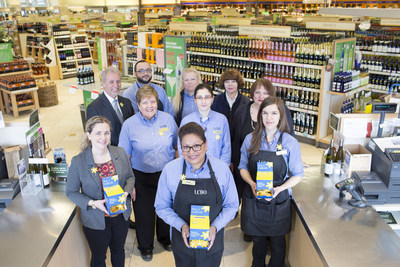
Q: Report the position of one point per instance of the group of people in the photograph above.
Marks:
(210, 159)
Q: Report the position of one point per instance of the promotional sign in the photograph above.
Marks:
(6, 52)
(175, 62)
(180, 26)
(325, 25)
(270, 31)
(343, 53)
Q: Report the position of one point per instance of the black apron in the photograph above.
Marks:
(260, 217)
(185, 197)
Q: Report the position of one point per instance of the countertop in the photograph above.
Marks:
(32, 226)
(343, 235)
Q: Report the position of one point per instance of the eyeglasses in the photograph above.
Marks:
(195, 148)
(207, 97)
(143, 71)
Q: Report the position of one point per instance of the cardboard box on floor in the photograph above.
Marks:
(357, 158)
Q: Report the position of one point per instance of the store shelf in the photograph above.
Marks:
(305, 135)
(257, 60)
(64, 49)
(379, 91)
(62, 36)
(34, 46)
(80, 47)
(15, 73)
(148, 48)
(69, 72)
(380, 54)
(384, 73)
(352, 92)
(302, 110)
(81, 59)
(66, 61)
(156, 81)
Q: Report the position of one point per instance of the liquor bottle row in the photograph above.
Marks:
(384, 64)
(132, 38)
(37, 27)
(16, 82)
(132, 53)
(332, 157)
(80, 40)
(63, 42)
(82, 53)
(84, 63)
(380, 45)
(158, 74)
(23, 100)
(38, 68)
(36, 40)
(384, 82)
(249, 70)
(68, 67)
(39, 171)
(304, 122)
(298, 98)
(298, 50)
(60, 29)
(85, 76)
(109, 35)
(342, 82)
(356, 104)
(66, 55)
(18, 64)
(227, 31)
(110, 47)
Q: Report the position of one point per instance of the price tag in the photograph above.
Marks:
(94, 94)
(72, 90)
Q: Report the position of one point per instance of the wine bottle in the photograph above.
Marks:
(44, 172)
(339, 158)
(330, 155)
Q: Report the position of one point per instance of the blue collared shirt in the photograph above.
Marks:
(292, 156)
(149, 143)
(217, 132)
(189, 105)
(169, 181)
(131, 94)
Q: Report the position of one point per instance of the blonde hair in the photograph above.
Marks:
(177, 101)
(90, 123)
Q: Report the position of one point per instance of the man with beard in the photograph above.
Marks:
(143, 74)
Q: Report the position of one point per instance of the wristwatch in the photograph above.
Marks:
(93, 206)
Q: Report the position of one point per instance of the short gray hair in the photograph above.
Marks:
(108, 70)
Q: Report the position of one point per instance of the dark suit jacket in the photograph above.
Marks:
(102, 107)
(84, 185)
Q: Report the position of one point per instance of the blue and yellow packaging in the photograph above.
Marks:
(264, 179)
(199, 227)
(114, 195)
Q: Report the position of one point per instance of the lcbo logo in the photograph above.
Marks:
(200, 192)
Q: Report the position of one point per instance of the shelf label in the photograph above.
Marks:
(325, 25)
(234, 21)
(72, 90)
(390, 22)
(183, 27)
(271, 31)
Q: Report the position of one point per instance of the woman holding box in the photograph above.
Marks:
(196, 179)
(270, 142)
(149, 139)
(97, 161)
(215, 124)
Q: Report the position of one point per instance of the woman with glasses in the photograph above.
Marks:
(214, 124)
(149, 139)
(183, 102)
(196, 179)
(270, 144)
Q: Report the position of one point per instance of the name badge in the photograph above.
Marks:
(189, 182)
(217, 132)
(282, 152)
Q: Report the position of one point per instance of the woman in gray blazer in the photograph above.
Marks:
(99, 160)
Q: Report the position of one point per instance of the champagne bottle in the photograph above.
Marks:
(330, 155)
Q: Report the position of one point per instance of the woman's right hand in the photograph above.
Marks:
(185, 234)
(99, 204)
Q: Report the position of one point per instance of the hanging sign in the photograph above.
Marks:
(270, 31)
(175, 62)
(192, 27)
(325, 25)
(234, 21)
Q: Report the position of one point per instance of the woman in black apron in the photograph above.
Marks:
(196, 179)
(270, 142)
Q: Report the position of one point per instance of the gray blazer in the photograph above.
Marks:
(84, 185)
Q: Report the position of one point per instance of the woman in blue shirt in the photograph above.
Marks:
(215, 125)
(183, 102)
(149, 139)
(270, 142)
(196, 179)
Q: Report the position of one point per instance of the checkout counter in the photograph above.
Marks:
(45, 230)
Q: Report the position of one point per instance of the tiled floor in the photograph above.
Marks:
(63, 128)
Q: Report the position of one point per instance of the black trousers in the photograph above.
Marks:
(113, 236)
(278, 251)
(145, 214)
(200, 259)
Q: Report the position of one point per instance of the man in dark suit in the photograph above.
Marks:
(114, 107)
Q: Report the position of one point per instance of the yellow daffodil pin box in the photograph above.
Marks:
(199, 226)
(114, 195)
(264, 179)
